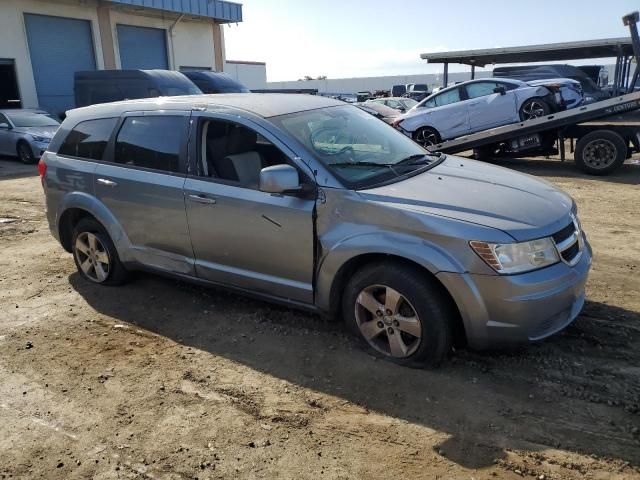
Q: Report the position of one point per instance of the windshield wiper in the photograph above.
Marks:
(362, 164)
(423, 157)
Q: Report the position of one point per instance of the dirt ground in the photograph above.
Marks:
(162, 379)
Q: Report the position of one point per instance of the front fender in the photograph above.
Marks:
(90, 204)
(418, 250)
(419, 120)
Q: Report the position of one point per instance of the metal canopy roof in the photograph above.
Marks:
(607, 47)
(219, 10)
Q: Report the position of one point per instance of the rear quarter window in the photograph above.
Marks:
(151, 142)
(88, 139)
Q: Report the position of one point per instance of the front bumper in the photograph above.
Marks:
(509, 309)
(38, 148)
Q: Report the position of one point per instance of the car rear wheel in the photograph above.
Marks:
(600, 152)
(427, 136)
(25, 154)
(534, 108)
(400, 313)
(95, 255)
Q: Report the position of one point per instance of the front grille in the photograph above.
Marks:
(569, 243)
(570, 253)
(565, 233)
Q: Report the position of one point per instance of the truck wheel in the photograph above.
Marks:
(533, 108)
(600, 152)
(485, 153)
(400, 313)
(95, 254)
(426, 136)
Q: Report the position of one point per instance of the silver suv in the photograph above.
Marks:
(310, 202)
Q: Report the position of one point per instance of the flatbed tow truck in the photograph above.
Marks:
(601, 134)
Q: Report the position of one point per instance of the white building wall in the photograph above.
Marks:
(13, 36)
(251, 74)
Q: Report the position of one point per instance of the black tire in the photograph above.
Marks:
(533, 108)
(115, 274)
(419, 293)
(25, 154)
(427, 136)
(485, 153)
(600, 152)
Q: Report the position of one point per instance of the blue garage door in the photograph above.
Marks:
(58, 48)
(141, 47)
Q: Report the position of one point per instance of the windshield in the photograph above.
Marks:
(176, 91)
(227, 84)
(359, 149)
(409, 102)
(31, 119)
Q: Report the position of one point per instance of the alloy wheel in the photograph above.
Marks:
(92, 257)
(426, 137)
(388, 321)
(600, 153)
(24, 153)
(533, 109)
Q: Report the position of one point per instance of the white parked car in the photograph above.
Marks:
(474, 106)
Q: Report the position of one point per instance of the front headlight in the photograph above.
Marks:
(522, 257)
(40, 139)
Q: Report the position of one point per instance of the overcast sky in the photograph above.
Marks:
(358, 38)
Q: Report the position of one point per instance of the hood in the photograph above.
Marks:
(549, 81)
(48, 132)
(520, 205)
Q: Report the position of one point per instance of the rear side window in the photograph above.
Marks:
(88, 139)
(151, 142)
(445, 98)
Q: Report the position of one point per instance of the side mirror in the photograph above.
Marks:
(279, 179)
(5, 126)
(500, 90)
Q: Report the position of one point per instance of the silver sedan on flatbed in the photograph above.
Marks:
(310, 202)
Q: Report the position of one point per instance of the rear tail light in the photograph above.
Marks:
(396, 122)
(42, 169)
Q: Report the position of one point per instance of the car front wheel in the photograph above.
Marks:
(427, 136)
(534, 108)
(400, 313)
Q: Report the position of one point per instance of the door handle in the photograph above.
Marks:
(201, 199)
(474, 103)
(107, 182)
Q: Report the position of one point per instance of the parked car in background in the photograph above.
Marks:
(215, 82)
(310, 202)
(598, 73)
(528, 73)
(398, 90)
(402, 104)
(363, 96)
(473, 106)
(378, 110)
(104, 86)
(26, 133)
(417, 91)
